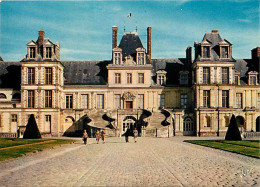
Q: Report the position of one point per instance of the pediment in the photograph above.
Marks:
(48, 42)
(129, 60)
(31, 43)
(206, 42)
(224, 42)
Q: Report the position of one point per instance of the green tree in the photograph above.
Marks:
(233, 131)
(32, 131)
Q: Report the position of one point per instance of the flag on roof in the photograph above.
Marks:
(129, 15)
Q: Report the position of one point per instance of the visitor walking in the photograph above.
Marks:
(127, 133)
(85, 137)
(103, 135)
(97, 136)
(135, 135)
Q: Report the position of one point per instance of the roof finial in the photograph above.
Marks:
(124, 28)
(136, 28)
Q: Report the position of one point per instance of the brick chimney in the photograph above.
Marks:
(149, 42)
(41, 37)
(255, 53)
(214, 31)
(114, 37)
(189, 55)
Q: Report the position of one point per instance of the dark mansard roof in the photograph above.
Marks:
(10, 74)
(85, 72)
(213, 39)
(129, 43)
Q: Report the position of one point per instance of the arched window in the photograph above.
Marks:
(2, 96)
(16, 96)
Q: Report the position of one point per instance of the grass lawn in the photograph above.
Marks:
(246, 147)
(7, 149)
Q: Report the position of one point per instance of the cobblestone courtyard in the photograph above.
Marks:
(149, 162)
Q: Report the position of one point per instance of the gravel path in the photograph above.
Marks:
(149, 162)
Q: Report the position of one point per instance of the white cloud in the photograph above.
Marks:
(244, 20)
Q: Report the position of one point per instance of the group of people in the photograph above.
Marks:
(128, 133)
(102, 135)
(98, 135)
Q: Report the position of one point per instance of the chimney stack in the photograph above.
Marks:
(215, 31)
(255, 53)
(149, 42)
(189, 55)
(114, 37)
(41, 37)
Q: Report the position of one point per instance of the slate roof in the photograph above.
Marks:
(214, 39)
(10, 74)
(85, 72)
(129, 43)
(172, 66)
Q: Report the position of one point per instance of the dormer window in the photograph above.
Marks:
(236, 80)
(224, 51)
(32, 52)
(161, 77)
(206, 51)
(140, 58)
(48, 52)
(117, 58)
(184, 77)
(252, 78)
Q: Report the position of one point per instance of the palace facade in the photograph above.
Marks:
(161, 97)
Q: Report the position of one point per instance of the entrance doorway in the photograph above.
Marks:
(188, 127)
(129, 104)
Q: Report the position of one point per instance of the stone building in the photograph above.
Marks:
(160, 97)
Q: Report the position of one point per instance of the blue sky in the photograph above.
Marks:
(84, 28)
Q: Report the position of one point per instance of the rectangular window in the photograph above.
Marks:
(129, 78)
(208, 121)
(206, 75)
(100, 101)
(84, 101)
(161, 79)
(224, 52)
(252, 80)
(31, 75)
(206, 98)
(48, 52)
(184, 79)
(32, 52)
(225, 98)
(48, 118)
(140, 101)
(69, 101)
(117, 58)
(161, 101)
(258, 101)
(117, 78)
(226, 121)
(239, 100)
(236, 80)
(140, 59)
(206, 52)
(48, 98)
(140, 78)
(14, 117)
(48, 75)
(117, 101)
(184, 99)
(30, 98)
(225, 75)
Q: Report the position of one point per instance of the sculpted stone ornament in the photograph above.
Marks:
(128, 96)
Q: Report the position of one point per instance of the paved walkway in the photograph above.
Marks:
(149, 162)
